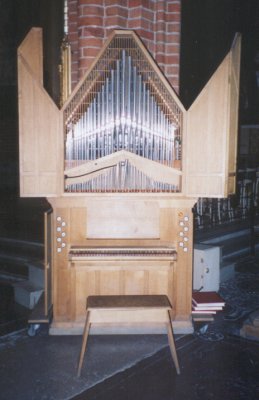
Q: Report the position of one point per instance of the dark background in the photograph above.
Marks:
(208, 29)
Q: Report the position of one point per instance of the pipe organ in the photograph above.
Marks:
(122, 164)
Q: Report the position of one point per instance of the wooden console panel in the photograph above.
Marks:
(137, 274)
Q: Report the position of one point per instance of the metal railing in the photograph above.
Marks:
(243, 205)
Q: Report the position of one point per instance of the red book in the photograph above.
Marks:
(207, 299)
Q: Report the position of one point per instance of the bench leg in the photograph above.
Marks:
(84, 342)
(172, 344)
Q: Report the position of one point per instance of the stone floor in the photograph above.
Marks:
(226, 368)
(216, 363)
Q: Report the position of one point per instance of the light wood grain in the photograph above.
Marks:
(40, 134)
(212, 128)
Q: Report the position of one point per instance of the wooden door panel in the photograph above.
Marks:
(40, 134)
(211, 140)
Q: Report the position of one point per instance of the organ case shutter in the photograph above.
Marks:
(212, 127)
(39, 124)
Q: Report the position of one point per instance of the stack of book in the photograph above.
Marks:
(205, 305)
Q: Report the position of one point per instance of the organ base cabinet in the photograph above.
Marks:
(122, 164)
(92, 258)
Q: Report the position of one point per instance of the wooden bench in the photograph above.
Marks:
(149, 308)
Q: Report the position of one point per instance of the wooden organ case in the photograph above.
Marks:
(122, 165)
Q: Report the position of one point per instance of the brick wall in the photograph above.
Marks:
(157, 22)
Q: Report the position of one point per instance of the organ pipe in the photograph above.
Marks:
(123, 113)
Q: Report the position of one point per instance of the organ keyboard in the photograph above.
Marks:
(147, 253)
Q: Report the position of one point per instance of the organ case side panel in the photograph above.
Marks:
(40, 133)
(235, 55)
(31, 50)
(210, 147)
